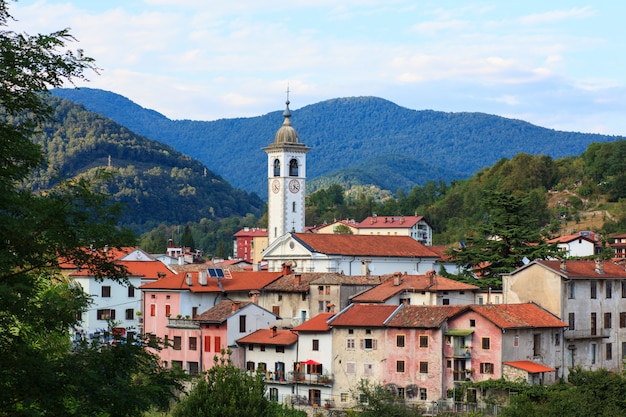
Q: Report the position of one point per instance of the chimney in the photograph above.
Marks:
(254, 296)
(563, 266)
(274, 331)
(188, 279)
(202, 277)
(365, 269)
(234, 306)
(599, 266)
(298, 279)
(397, 278)
(286, 268)
(431, 276)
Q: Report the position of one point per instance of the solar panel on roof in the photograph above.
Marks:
(215, 272)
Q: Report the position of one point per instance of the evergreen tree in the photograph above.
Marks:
(503, 240)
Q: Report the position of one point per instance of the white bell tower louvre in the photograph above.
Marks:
(286, 180)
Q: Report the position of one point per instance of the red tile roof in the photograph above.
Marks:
(530, 366)
(586, 269)
(364, 245)
(239, 281)
(517, 316)
(394, 284)
(221, 312)
(425, 317)
(111, 254)
(270, 337)
(363, 315)
(387, 222)
(570, 238)
(318, 323)
(156, 270)
(251, 232)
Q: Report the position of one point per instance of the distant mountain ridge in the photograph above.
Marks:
(356, 137)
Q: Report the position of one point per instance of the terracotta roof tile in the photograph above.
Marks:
(530, 366)
(270, 337)
(515, 316)
(586, 269)
(387, 222)
(364, 245)
(394, 284)
(145, 269)
(341, 279)
(569, 238)
(112, 254)
(251, 232)
(295, 282)
(238, 281)
(424, 317)
(363, 315)
(221, 312)
(318, 323)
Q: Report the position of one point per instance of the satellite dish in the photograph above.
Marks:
(525, 260)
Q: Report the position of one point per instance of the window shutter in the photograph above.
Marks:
(207, 343)
(374, 344)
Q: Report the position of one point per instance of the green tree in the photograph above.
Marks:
(508, 235)
(41, 374)
(226, 390)
(375, 400)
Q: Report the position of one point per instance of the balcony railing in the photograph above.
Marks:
(182, 323)
(586, 334)
(310, 379)
(462, 351)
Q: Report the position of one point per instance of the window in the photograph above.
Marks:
(321, 305)
(262, 367)
(593, 353)
(623, 289)
(486, 368)
(194, 312)
(350, 345)
(130, 314)
(400, 366)
(350, 367)
(152, 310)
(251, 346)
(320, 290)
(343, 397)
(486, 343)
(368, 369)
(423, 367)
(537, 344)
(472, 323)
(608, 289)
(593, 289)
(327, 289)
(106, 291)
(369, 344)
(399, 340)
(593, 324)
(316, 344)
(168, 310)
(609, 351)
(273, 394)
(177, 364)
(207, 343)
(217, 344)
(242, 324)
(608, 318)
(570, 290)
(250, 366)
(276, 168)
(177, 343)
(516, 340)
(106, 314)
(131, 291)
(400, 392)
(445, 302)
(79, 315)
(293, 168)
(193, 343)
(423, 341)
(262, 348)
(276, 310)
(280, 349)
(622, 319)
(557, 339)
(448, 364)
(423, 394)
(481, 300)
(571, 321)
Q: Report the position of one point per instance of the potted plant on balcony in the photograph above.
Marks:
(328, 403)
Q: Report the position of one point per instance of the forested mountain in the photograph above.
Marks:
(347, 134)
(156, 183)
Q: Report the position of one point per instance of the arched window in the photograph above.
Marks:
(276, 168)
(293, 168)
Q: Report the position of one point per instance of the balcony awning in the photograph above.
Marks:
(459, 332)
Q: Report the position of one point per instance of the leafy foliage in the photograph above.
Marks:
(40, 373)
(375, 400)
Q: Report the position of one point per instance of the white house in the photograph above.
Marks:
(575, 245)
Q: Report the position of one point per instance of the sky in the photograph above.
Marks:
(559, 64)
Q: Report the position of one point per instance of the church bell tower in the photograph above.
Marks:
(286, 178)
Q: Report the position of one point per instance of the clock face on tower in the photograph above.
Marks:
(275, 186)
(294, 186)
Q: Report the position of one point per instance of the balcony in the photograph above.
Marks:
(462, 352)
(180, 323)
(310, 379)
(586, 334)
